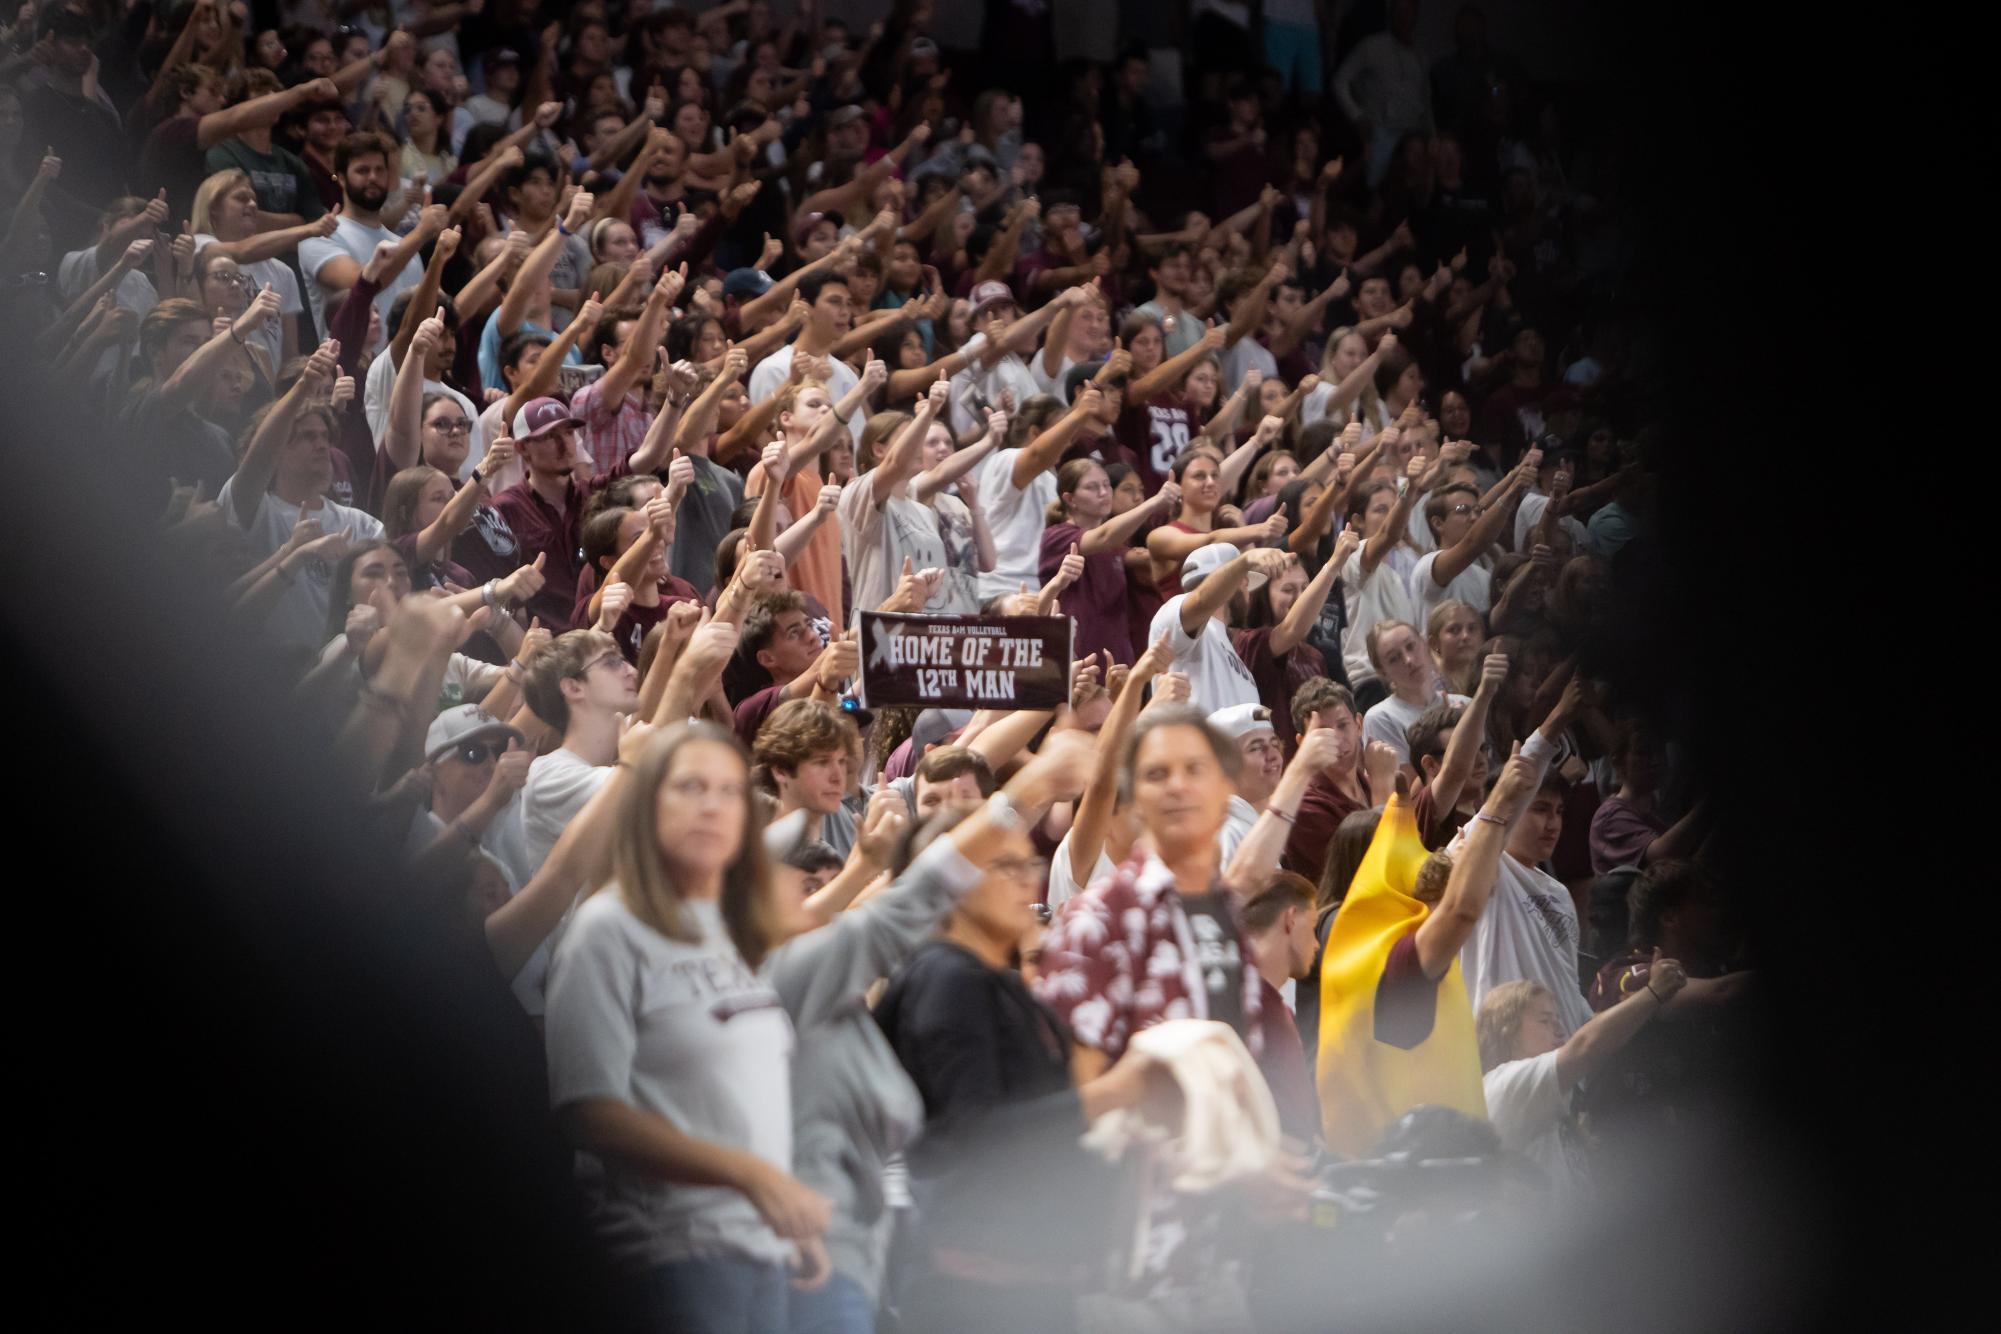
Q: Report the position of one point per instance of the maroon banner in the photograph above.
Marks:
(965, 662)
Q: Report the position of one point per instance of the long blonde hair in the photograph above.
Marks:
(1367, 405)
(750, 910)
(202, 218)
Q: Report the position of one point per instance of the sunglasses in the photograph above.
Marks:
(479, 752)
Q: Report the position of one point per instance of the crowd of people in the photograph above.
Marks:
(553, 388)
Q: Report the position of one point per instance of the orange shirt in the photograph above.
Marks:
(817, 569)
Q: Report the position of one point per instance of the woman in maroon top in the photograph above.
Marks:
(1081, 516)
(628, 548)
(1199, 471)
(1156, 422)
(1272, 642)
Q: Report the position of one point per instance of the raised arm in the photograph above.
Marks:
(1290, 632)
(1250, 316)
(1398, 519)
(1005, 252)
(1173, 545)
(403, 433)
(1173, 370)
(636, 361)
(1468, 735)
(1475, 866)
(260, 460)
(961, 461)
(779, 295)
(1116, 533)
(906, 450)
(194, 375)
(535, 270)
(1486, 530)
(1215, 591)
(1223, 424)
(1094, 808)
(699, 421)
(256, 112)
(1230, 473)
(1041, 453)
(1252, 864)
(436, 540)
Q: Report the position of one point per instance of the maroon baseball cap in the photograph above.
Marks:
(990, 294)
(541, 416)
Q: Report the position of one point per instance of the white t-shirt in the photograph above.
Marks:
(769, 376)
(559, 784)
(1217, 677)
(134, 292)
(1529, 1110)
(1529, 513)
(271, 334)
(1473, 586)
(1050, 384)
(1062, 888)
(1008, 375)
(358, 243)
(1237, 824)
(300, 615)
(1016, 517)
(1384, 595)
(876, 538)
(1389, 718)
(381, 382)
(1529, 929)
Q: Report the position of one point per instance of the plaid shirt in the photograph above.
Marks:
(612, 433)
(1120, 958)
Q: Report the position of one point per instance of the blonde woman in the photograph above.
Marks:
(1347, 388)
(1455, 633)
(225, 218)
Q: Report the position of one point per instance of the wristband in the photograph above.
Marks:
(1002, 811)
(1490, 819)
(1289, 819)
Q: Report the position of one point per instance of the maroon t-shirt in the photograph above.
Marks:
(1321, 811)
(435, 575)
(1278, 676)
(488, 549)
(1156, 433)
(672, 590)
(1406, 1000)
(1097, 601)
(542, 529)
(750, 714)
(1435, 828)
(1284, 1067)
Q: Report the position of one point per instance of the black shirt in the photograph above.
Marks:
(1219, 954)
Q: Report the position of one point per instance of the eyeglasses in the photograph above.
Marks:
(479, 752)
(615, 658)
(1024, 869)
(454, 426)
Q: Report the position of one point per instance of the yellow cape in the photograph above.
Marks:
(1366, 1084)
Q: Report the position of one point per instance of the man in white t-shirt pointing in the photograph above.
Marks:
(1196, 622)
